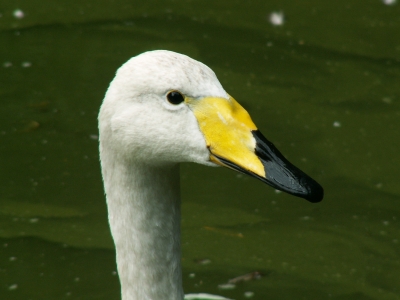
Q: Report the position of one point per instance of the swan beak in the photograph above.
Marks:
(235, 142)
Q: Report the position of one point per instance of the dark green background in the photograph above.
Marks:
(324, 87)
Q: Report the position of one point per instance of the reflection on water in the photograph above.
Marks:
(323, 86)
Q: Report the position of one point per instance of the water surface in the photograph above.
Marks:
(323, 87)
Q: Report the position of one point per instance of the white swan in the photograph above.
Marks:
(163, 108)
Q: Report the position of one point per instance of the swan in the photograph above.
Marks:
(163, 108)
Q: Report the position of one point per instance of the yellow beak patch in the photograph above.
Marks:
(227, 127)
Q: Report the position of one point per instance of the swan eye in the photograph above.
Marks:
(175, 97)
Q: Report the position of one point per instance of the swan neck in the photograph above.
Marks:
(144, 214)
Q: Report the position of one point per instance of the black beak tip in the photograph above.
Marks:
(315, 193)
(284, 176)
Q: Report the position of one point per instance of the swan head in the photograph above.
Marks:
(163, 107)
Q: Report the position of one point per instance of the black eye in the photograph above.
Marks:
(175, 97)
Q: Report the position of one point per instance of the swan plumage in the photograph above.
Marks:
(163, 108)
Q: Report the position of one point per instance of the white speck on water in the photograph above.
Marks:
(18, 14)
(33, 220)
(7, 64)
(276, 18)
(13, 287)
(249, 294)
(226, 286)
(278, 192)
(386, 223)
(305, 218)
(12, 258)
(192, 275)
(26, 64)
(389, 2)
(387, 100)
(337, 124)
(352, 271)
(94, 137)
(204, 261)
(77, 279)
(337, 275)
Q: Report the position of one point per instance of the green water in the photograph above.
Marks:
(324, 87)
